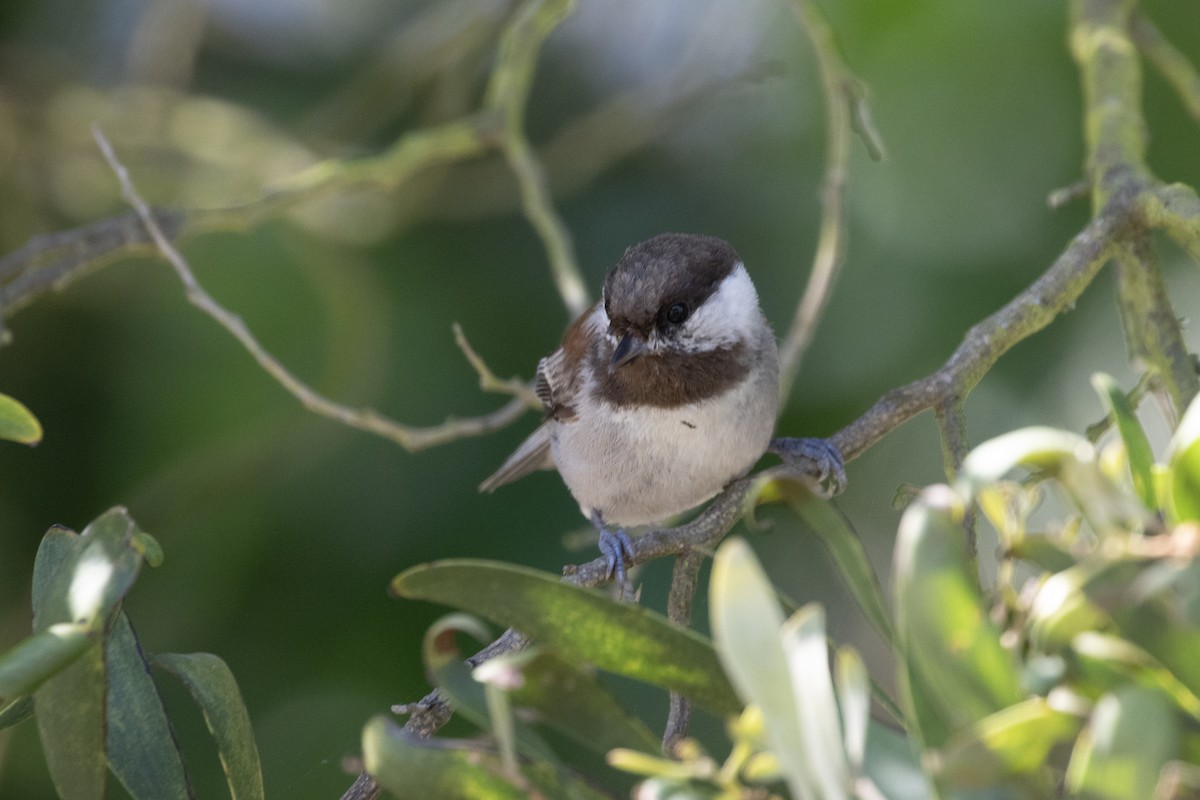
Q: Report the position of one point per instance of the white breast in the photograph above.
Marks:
(640, 466)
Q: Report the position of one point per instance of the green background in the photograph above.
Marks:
(282, 529)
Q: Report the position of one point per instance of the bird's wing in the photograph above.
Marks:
(556, 385)
(532, 455)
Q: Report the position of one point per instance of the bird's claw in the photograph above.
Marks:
(617, 548)
(818, 460)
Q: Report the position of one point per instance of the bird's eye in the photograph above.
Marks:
(677, 313)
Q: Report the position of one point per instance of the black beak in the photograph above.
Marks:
(630, 347)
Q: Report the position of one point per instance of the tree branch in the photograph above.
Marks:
(366, 419)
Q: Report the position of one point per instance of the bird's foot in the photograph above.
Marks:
(615, 546)
(817, 462)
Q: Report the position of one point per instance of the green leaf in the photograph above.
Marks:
(581, 624)
(953, 670)
(1183, 457)
(1014, 741)
(1066, 456)
(746, 624)
(1137, 446)
(854, 696)
(70, 720)
(893, 766)
(17, 423)
(16, 712)
(573, 702)
(79, 582)
(36, 658)
(846, 549)
(142, 751)
(421, 769)
(82, 578)
(212, 686)
(411, 768)
(444, 661)
(1132, 733)
(1135, 663)
(804, 646)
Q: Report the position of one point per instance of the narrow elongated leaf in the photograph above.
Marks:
(409, 768)
(846, 549)
(1133, 662)
(38, 657)
(70, 720)
(17, 423)
(1070, 458)
(746, 623)
(571, 700)
(892, 763)
(1015, 741)
(80, 582)
(445, 664)
(954, 670)
(1184, 461)
(804, 646)
(1137, 446)
(581, 624)
(1132, 733)
(142, 751)
(16, 712)
(215, 691)
(412, 769)
(854, 696)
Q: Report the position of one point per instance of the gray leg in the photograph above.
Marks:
(615, 546)
(818, 459)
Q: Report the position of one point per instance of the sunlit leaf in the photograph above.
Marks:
(846, 549)
(954, 670)
(17, 423)
(79, 582)
(854, 699)
(807, 654)
(1066, 456)
(1137, 446)
(1135, 663)
(214, 689)
(746, 623)
(38, 657)
(580, 624)
(1013, 741)
(141, 745)
(1132, 733)
(1184, 461)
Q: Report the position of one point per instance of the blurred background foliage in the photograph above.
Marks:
(281, 529)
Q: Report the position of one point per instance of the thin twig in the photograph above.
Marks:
(679, 611)
(508, 93)
(488, 382)
(1172, 64)
(410, 438)
(831, 241)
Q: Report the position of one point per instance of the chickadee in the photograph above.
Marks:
(661, 393)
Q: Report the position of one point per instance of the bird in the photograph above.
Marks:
(660, 395)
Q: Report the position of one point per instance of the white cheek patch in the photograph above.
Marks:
(729, 315)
